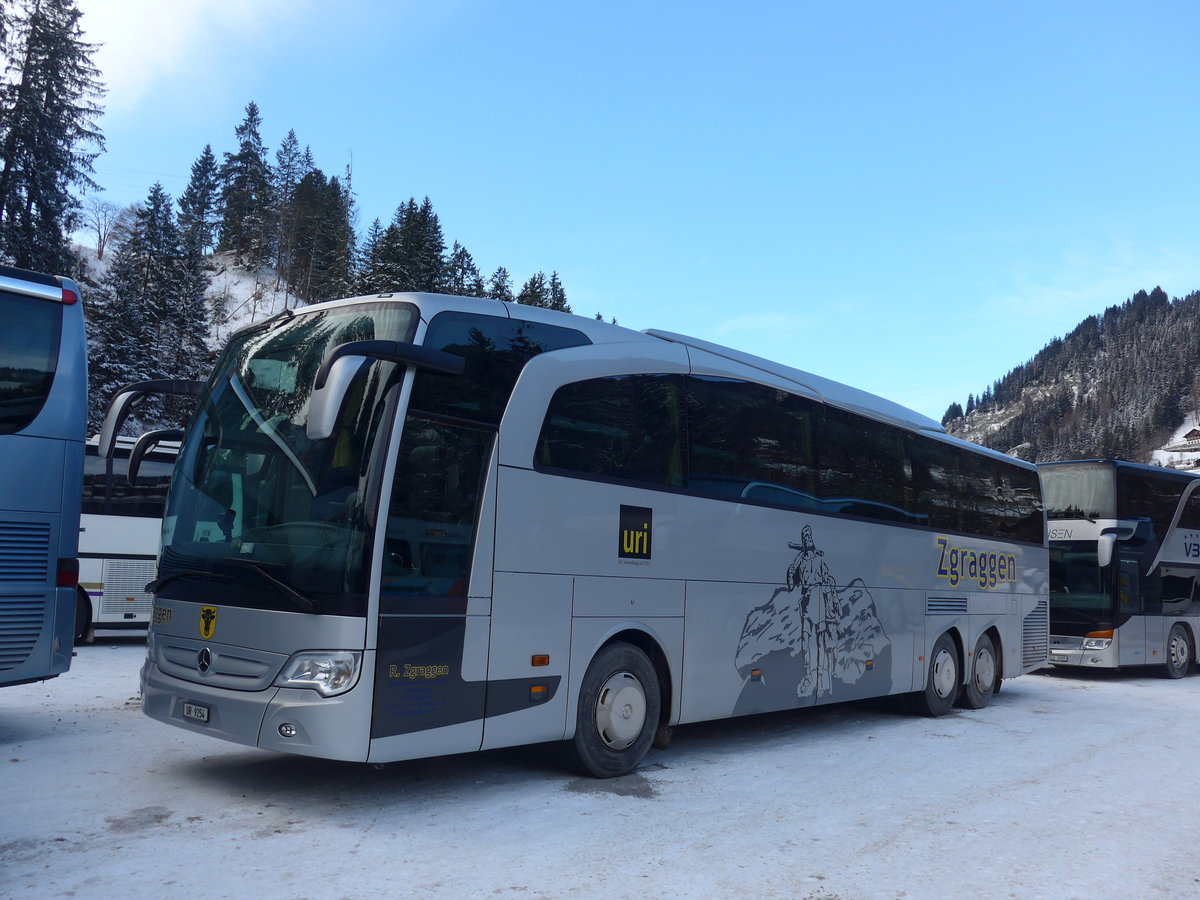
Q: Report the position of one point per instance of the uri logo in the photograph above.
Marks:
(208, 622)
(636, 527)
(812, 639)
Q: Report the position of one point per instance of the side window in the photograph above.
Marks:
(496, 350)
(431, 517)
(1129, 587)
(747, 441)
(626, 427)
(95, 482)
(1190, 518)
(864, 468)
(30, 331)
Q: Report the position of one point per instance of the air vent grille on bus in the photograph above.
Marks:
(1035, 644)
(24, 551)
(21, 620)
(125, 583)
(945, 606)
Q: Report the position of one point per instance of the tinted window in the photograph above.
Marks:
(627, 427)
(496, 349)
(1148, 496)
(1191, 511)
(748, 442)
(751, 442)
(112, 494)
(30, 331)
(431, 518)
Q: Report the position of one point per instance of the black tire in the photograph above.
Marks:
(981, 682)
(1179, 653)
(83, 618)
(941, 681)
(618, 711)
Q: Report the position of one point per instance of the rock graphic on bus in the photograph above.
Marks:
(812, 639)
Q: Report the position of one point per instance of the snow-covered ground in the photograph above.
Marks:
(1067, 786)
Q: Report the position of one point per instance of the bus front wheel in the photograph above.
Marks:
(1179, 653)
(618, 711)
(982, 681)
(941, 681)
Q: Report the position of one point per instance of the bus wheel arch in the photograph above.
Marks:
(619, 708)
(1180, 651)
(983, 673)
(84, 631)
(943, 677)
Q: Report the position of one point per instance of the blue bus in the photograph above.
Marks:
(43, 410)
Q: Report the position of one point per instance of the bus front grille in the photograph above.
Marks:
(24, 551)
(21, 621)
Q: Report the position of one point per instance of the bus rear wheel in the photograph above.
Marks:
(83, 618)
(981, 684)
(1179, 653)
(941, 682)
(618, 711)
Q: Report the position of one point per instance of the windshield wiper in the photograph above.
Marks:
(307, 604)
(162, 580)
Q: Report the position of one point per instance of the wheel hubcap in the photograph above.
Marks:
(620, 711)
(985, 671)
(1179, 651)
(944, 675)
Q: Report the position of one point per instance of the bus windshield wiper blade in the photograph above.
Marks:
(307, 604)
(162, 580)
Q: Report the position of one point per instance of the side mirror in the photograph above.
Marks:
(344, 361)
(128, 397)
(1104, 549)
(148, 442)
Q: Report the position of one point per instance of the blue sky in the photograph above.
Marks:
(912, 198)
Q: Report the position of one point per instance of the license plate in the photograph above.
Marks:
(1058, 657)
(195, 711)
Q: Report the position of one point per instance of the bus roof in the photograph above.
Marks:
(600, 332)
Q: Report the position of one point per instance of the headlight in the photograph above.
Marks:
(328, 672)
(1097, 643)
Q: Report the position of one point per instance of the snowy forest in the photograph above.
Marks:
(273, 215)
(1116, 386)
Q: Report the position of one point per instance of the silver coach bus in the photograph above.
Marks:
(411, 525)
(1124, 561)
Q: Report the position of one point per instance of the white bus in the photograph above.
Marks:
(411, 525)
(119, 532)
(1124, 560)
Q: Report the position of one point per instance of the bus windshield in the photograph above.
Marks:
(1077, 587)
(1084, 491)
(279, 520)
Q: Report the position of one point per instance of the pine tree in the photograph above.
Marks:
(289, 169)
(535, 292)
(370, 279)
(499, 286)
(151, 320)
(557, 296)
(321, 265)
(246, 200)
(461, 276)
(49, 135)
(198, 203)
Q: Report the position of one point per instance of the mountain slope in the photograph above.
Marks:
(1121, 384)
